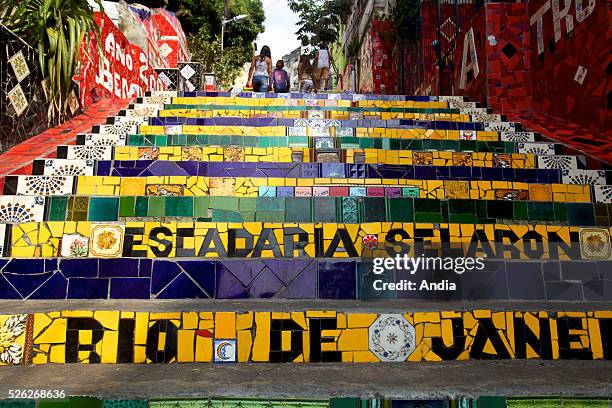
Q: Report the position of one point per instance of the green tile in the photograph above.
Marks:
(428, 217)
(427, 205)
(103, 208)
(72, 402)
(248, 204)
(269, 216)
(142, 206)
(520, 210)
(560, 212)
(400, 210)
(298, 209)
(270, 204)
(57, 208)
(224, 203)
(157, 206)
(179, 206)
(126, 206)
(200, 206)
(539, 211)
(219, 215)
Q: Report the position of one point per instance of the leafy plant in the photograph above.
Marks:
(57, 28)
(226, 66)
(353, 48)
(319, 20)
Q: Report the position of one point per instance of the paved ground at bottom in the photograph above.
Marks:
(394, 380)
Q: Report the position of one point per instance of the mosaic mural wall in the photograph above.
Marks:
(23, 111)
(131, 278)
(513, 57)
(125, 70)
(109, 337)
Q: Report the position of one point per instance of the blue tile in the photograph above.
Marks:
(130, 288)
(85, 288)
(203, 273)
(26, 284)
(162, 274)
(79, 268)
(54, 288)
(119, 267)
(337, 280)
(7, 291)
(25, 266)
(183, 287)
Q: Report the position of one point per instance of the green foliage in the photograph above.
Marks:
(202, 22)
(224, 65)
(57, 29)
(319, 20)
(405, 13)
(353, 48)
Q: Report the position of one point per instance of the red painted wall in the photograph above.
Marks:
(556, 70)
(124, 72)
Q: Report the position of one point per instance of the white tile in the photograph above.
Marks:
(92, 152)
(44, 185)
(101, 139)
(557, 162)
(69, 167)
(580, 176)
(18, 209)
(539, 149)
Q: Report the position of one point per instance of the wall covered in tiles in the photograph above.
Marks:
(108, 337)
(125, 70)
(23, 111)
(570, 47)
(545, 56)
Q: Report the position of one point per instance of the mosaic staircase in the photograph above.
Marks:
(236, 196)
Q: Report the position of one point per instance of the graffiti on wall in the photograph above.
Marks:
(93, 337)
(124, 70)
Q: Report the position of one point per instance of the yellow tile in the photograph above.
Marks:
(225, 325)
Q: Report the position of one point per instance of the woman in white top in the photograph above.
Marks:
(260, 73)
(322, 63)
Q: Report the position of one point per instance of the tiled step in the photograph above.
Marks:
(271, 187)
(129, 278)
(304, 112)
(348, 210)
(172, 143)
(143, 168)
(176, 239)
(307, 155)
(308, 96)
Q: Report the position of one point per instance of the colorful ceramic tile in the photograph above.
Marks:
(391, 338)
(580, 176)
(603, 194)
(18, 209)
(68, 167)
(99, 139)
(74, 246)
(44, 185)
(538, 149)
(557, 162)
(92, 152)
(225, 350)
(595, 243)
(19, 65)
(12, 338)
(106, 240)
(18, 99)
